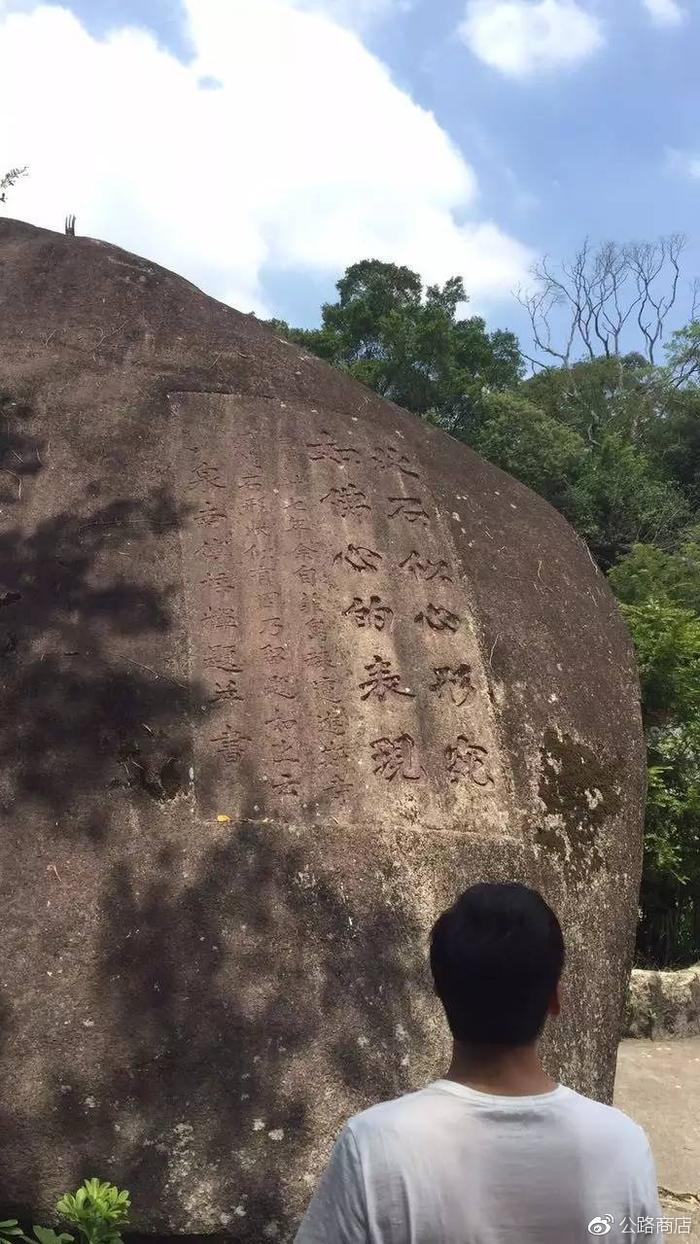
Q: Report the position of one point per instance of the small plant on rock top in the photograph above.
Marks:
(97, 1210)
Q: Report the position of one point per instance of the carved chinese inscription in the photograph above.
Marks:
(359, 558)
(212, 545)
(285, 639)
(271, 626)
(227, 690)
(256, 553)
(275, 654)
(284, 750)
(345, 500)
(466, 762)
(454, 681)
(305, 552)
(425, 569)
(286, 783)
(251, 479)
(255, 528)
(372, 613)
(387, 456)
(219, 636)
(220, 617)
(205, 473)
(223, 657)
(284, 686)
(328, 450)
(409, 508)
(382, 680)
(282, 726)
(231, 744)
(296, 507)
(396, 757)
(210, 514)
(221, 579)
(333, 761)
(306, 570)
(437, 618)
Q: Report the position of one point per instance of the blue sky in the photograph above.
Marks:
(258, 146)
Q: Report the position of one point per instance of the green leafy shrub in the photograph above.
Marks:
(96, 1210)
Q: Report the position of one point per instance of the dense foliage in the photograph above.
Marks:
(612, 441)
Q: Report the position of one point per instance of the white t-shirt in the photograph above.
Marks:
(450, 1165)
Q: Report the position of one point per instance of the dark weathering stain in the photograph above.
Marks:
(580, 789)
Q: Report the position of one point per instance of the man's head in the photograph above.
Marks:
(496, 957)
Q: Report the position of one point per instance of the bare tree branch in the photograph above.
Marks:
(9, 180)
(585, 306)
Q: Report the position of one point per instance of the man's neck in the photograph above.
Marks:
(512, 1072)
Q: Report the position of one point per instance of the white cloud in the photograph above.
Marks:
(306, 156)
(526, 37)
(665, 12)
(687, 163)
(356, 13)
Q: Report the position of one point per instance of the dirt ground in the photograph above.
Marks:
(658, 1085)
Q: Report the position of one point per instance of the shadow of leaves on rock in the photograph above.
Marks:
(231, 981)
(18, 1131)
(234, 995)
(79, 713)
(20, 451)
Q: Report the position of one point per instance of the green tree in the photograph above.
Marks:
(649, 573)
(667, 641)
(579, 436)
(621, 500)
(622, 489)
(409, 345)
(539, 450)
(673, 437)
(660, 595)
(616, 394)
(683, 354)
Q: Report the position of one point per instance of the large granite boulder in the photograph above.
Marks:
(283, 670)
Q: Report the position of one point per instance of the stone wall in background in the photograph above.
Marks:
(663, 1004)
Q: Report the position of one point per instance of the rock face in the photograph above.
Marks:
(235, 584)
(663, 1004)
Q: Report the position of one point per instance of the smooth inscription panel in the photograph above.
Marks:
(329, 624)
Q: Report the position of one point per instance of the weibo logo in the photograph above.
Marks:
(600, 1226)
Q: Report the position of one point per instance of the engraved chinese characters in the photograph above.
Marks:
(398, 756)
(330, 625)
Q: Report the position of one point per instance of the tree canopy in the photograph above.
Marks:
(410, 345)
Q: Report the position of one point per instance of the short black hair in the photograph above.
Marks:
(496, 956)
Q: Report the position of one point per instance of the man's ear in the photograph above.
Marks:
(554, 1006)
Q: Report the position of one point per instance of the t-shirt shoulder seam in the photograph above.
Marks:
(356, 1152)
(360, 1169)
